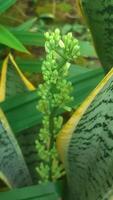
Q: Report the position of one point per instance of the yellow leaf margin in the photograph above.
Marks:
(27, 83)
(63, 138)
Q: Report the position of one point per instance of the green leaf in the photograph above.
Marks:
(101, 29)
(29, 38)
(11, 158)
(37, 192)
(5, 4)
(8, 39)
(86, 145)
(27, 25)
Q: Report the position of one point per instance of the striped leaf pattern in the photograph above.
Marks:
(86, 145)
(13, 170)
(26, 140)
(99, 17)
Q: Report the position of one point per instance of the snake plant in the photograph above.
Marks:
(99, 18)
(85, 145)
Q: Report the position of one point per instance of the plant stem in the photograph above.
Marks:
(51, 131)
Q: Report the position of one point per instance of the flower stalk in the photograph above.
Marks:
(55, 94)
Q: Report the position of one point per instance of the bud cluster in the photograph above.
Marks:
(55, 94)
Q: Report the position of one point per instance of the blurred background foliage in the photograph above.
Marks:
(38, 16)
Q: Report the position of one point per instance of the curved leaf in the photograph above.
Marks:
(86, 145)
(13, 169)
(13, 81)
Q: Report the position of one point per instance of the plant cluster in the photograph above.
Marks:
(55, 94)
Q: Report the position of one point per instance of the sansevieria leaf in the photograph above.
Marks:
(13, 82)
(85, 145)
(98, 15)
(13, 170)
(8, 39)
